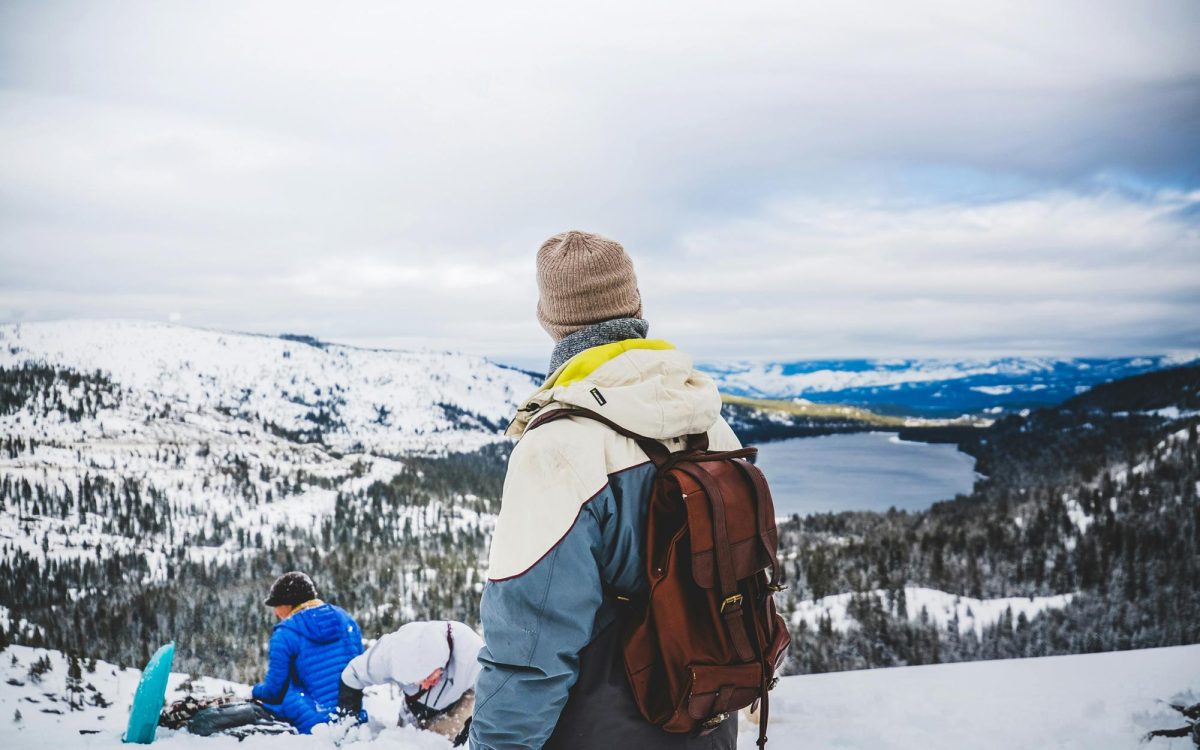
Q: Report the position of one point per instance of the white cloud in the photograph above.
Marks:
(356, 277)
(1054, 273)
(350, 277)
(813, 177)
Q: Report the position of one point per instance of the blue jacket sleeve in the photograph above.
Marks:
(534, 626)
(279, 668)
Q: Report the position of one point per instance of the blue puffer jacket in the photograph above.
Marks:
(309, 650)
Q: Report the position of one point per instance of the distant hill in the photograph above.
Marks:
(760, 420)
(344, 398)
(933, 388)
(1175, 388)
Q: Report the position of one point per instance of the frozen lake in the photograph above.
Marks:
(862, 471)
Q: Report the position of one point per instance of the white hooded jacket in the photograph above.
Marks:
(412, 653)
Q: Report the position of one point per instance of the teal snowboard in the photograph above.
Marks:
(148, 700)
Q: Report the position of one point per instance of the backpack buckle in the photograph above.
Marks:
(735, 600)
(714, 722)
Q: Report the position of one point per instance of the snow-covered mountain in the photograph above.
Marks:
(1092, 702)
(349, 399)
(151, 450)
(933, 387)
(235, 432)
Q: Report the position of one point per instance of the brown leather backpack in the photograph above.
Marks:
(706, 640)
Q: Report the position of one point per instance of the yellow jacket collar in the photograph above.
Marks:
(644, 385)
(306, 605)
(588, 361)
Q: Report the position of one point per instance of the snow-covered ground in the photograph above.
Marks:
(1092, 702)
(939, 607)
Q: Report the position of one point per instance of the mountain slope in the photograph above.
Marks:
(141, 464)
(347, 399)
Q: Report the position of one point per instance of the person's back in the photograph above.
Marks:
(570, 537)
(309, 649)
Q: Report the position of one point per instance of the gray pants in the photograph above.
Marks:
(600, 713)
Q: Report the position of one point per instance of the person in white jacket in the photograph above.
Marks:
(435, 664)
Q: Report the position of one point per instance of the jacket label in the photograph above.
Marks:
(599, 398)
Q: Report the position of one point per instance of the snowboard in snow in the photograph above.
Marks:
(148, 700)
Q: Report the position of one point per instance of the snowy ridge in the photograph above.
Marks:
(1092, 702)
(212, 446)
(942, 609)
(781, 380)
(933, 386)
(361, 400)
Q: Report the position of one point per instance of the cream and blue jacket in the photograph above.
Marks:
(569, 537)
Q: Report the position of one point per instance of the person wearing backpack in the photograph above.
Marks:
(567, 563)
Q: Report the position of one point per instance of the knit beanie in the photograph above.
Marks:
(292, 589)
(584, 279)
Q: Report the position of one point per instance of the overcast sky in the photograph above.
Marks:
(793, 180)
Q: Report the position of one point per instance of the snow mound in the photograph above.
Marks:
(1092, 702)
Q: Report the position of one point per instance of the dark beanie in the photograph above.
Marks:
(291, 589)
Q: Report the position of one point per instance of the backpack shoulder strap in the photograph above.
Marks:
(657, 452)
(765, 506)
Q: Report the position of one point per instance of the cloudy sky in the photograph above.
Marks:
(793, 180)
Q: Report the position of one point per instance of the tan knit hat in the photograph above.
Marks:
(584, 279)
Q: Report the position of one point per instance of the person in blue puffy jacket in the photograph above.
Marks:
(310, 646)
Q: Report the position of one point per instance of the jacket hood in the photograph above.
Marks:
(321, 624)
(645, 385)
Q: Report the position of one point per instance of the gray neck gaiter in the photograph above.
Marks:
(605, 332)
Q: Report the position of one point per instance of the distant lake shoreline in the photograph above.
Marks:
(866, 471)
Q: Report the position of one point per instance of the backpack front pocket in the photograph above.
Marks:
(717, 691)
